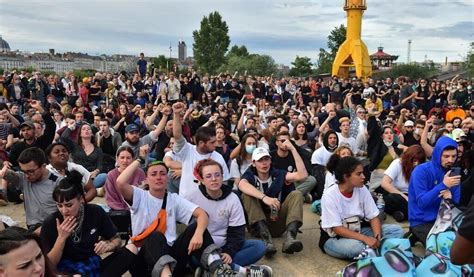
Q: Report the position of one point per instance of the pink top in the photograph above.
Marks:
(112, 196)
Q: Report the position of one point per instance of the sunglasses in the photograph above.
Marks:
(153, 163)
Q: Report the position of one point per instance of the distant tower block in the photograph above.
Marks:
(182, 55)
(353, 52)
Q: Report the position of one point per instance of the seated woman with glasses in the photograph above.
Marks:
(227, 220)
(78, 233)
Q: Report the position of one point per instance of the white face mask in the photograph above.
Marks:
(388, 143)
(417, 131)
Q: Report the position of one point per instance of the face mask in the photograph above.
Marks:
(417, 131)
(388, 143)
(250, 148)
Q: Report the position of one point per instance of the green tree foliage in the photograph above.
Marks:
(254, 64)
(211, 42)
(302, 66)
(161, 62)
(326, 57)
(238, 51)
(413, 71)
(469, 61)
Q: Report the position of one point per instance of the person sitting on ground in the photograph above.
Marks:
(394, 186)
(59, 164)
(227, 221)
(21, 254)
(349, 216)
(37, 184)
(340, 152)
(159, 249)
(190, 154)
(78, 233)
(284, 159)
(271, 201)
(429, 183)
(113, 197)
(320, 158)
(239, 165)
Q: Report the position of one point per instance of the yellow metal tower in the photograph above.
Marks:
(353, 52)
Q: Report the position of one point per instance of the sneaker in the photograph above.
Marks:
(224, 270)
(259, 271)
(308, 198)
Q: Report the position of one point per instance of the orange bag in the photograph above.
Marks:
(158, 225)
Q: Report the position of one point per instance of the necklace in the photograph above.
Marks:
(77, 232)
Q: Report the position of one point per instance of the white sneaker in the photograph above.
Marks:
(259, 271)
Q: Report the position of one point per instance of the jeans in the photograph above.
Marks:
(306, 185)
(252, 250)
(99, 180)
(344, 248)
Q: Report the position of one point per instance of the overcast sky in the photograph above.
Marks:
(282, 29)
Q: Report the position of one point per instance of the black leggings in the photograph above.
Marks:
(156, 246)
(117, 263)
(394, 202)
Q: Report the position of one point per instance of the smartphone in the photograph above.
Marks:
(455, 171)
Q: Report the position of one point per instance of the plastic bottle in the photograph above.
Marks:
(381, 206)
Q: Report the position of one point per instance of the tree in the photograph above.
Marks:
(301, 67)
(326, 57)
(211, 42)
(412, 71)
(254, 64)
(238, 51)
(469, 61)
(161, 62)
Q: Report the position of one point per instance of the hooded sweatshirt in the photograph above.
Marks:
(426, 183)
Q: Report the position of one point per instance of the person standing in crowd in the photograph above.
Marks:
(173, 88)
(272, 203)
(141, 65)
(349, 216)
(429, 183)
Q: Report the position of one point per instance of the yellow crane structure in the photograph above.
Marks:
(353, 51)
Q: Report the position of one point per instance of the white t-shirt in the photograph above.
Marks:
(234, 168)
(70, 167)
(338, 210)
(329, 180)
(394, 171)
(222, 214)
(145, 208)
(189, 156)
(350, 141)
(321, 156)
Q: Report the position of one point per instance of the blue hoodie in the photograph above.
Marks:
(426, 183)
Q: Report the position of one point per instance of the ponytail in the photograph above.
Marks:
(69, 188)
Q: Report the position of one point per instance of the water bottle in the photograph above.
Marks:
(381, 206)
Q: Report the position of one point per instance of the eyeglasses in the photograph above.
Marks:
(216, 175)
(30, 171)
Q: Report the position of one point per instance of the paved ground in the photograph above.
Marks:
(310, 262)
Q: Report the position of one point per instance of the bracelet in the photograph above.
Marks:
(141, 160)
(263, 197)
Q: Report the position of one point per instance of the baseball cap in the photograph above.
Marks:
(458, 134)
(132, 128)
(28, 123)
(409, 123)
(259, 153)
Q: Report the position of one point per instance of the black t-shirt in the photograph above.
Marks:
(405, 91)
(467, 225)
(161, 144)
(107, 146)
(284, 163)
(96, 224)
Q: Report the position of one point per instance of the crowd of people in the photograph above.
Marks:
(191, 162)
